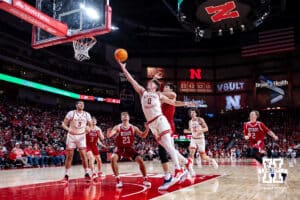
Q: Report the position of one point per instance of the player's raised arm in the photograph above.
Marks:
(170, 95)
(140, 133)
(182, 103)
(165, 99)
(137, 87)
(203, 124)
(100, 134)
(112, 132)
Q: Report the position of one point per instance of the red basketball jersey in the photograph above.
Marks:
(169, 111)
(125, 138)
(257, 130)
(92, 138)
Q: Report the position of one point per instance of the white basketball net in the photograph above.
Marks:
(82, 47)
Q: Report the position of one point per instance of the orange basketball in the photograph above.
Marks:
(121, 55)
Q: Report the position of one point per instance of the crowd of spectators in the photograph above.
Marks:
(31, 136)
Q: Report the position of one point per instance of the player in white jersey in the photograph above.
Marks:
(75, 123)
(151, 100)
(197, 126)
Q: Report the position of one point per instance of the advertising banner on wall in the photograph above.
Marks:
(233, 86)
(272, 91)
(229, 102)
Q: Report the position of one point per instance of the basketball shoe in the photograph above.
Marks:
(214, 163)
(101, 174)
(66, 178)
(180, 175)
(94, 176)
(146, 182)
(119, 183)
(189, 167)
(166, 184)
(87, 177)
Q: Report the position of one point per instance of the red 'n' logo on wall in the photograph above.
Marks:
(195, 74)
(223, 11)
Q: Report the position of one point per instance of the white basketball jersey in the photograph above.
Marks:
(78, 121)
(151, 105)
(196, 128)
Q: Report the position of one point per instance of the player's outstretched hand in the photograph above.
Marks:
(122, 65)
(275, 137)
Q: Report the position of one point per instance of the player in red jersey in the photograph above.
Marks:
(124, 146)
(93, 135)
(254, 131)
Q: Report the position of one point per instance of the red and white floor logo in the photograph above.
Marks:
(103, 188)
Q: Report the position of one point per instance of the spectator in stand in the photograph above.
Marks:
(3, 153)
(60, 155)
(17, 154)
(36, 152)
(52, 155)
(44, 157)
(29, 154)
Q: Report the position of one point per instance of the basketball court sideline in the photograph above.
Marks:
(233, 180)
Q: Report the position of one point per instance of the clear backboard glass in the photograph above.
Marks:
(83, 17)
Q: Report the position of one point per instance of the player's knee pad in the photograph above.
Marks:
(162, 154)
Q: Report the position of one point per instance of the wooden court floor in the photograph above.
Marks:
(238, 180)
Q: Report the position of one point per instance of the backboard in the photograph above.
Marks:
(84, 18)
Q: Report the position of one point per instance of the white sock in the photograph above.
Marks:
(166, 142)
(87, 170)
(167, 176)
(67, 171)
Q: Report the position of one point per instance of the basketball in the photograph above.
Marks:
(121, 55)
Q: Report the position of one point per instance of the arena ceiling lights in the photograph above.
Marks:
(209, 18)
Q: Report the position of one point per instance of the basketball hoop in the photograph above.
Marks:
(82, 47)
